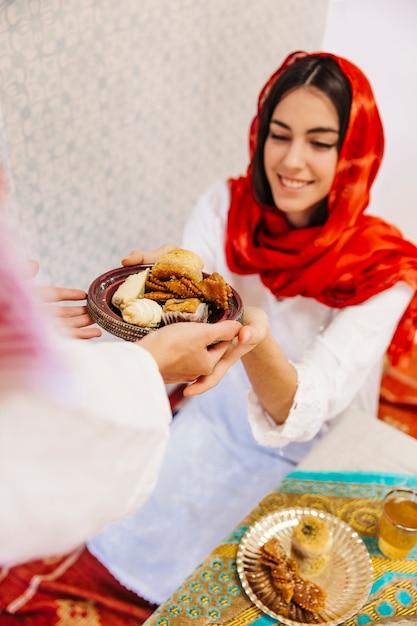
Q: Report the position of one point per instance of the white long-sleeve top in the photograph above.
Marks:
(337, 352)
(225, 453)
(69, 469)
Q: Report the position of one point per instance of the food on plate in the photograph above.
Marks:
(295, 598)
(142, 312)
(184, 310)
(177, 284)
(131, 289)
(179, 263)
(311, 544)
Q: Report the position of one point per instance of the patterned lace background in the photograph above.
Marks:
(114, 116)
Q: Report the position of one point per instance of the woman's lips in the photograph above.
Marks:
(292, 183)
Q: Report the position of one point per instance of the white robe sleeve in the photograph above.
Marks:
(69, 470)
(336, 368)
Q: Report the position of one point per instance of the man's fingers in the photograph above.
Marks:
(226, 354)
(223, 332)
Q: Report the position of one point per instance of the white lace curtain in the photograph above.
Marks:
(116, 115)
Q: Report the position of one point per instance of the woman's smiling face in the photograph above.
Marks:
(300, 152)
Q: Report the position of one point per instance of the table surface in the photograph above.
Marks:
(356, 441)
(213, 594)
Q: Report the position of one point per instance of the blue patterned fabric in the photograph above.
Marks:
(213, 594)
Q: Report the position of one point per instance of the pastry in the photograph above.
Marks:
(184, 310)
(293, 596)
(131, 289)
(177, 289)
(311, 544)
(178, 263)
(143, 312)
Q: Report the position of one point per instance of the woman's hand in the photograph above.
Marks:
(253, 331)
(147, 256)
(274, 379)
(73, 320)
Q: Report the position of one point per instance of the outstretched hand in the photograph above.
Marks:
(186, 351)
(253, 331)
(74, 320)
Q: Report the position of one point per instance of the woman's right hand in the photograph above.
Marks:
(254, 330)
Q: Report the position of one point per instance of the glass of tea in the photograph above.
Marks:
(398, 527)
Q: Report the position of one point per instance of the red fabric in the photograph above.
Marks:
(398, 397)
(351, 257)
(71, 590)
(28, 358)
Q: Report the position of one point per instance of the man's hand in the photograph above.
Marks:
(253, 331)
(185, 351)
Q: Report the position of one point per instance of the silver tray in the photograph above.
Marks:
(346, 579)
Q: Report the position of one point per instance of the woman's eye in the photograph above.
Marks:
(278, 137)
(322, 145)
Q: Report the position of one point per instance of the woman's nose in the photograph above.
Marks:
(295, 155)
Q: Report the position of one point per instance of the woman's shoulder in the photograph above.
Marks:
(396, 297)
(216, 197)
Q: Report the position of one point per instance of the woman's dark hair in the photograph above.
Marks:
(323, 73)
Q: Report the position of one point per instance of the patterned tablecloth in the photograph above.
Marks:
(213, 595)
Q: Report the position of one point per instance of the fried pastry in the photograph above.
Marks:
(176, 284)
(294, 597)
(177, 263)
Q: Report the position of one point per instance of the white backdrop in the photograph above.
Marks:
(117, 114)
(380, 36)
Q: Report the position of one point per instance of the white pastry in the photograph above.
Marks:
(131, 289)
(143, 312)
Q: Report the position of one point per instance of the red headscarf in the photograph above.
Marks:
(351, 257)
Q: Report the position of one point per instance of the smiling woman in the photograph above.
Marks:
(299, 140)
(300, 153)
(292, 237)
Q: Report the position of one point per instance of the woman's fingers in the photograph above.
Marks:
(147, 256)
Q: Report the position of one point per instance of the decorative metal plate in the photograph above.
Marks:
(346, 579)
(107, 316)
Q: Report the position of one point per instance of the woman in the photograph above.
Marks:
(292, 237)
